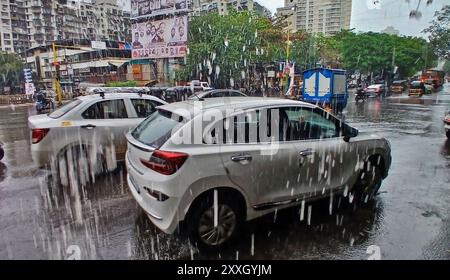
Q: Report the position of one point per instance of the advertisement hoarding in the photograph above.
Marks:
(165, 38)
(100, 45)
(143, 8)
(29, 89)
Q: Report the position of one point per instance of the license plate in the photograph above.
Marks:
(135, 185)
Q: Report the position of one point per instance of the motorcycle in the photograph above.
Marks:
(44, 103)
(360, 95)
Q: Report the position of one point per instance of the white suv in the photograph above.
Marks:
(91, 127)
(219, 162)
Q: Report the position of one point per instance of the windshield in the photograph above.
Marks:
(158, 128)
(64, 109)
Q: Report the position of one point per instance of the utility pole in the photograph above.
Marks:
(57, 78)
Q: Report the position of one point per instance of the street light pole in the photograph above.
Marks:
(288, 47)
(57, 76)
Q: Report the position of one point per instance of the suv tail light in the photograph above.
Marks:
(38, 134)
(167, 163)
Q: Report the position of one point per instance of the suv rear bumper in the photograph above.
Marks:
(163, 214)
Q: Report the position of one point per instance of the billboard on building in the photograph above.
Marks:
(165, 38)
(99, 45)
(142, 8)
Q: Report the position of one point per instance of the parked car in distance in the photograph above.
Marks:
(203, 85)
(398, 87)
(229, 175)
(216, 93)
(447, 124)
(376, 90)
(418, 88)
(91, 126)
(429, 89)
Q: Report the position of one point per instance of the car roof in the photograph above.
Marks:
(202, 94)
(109, 96)
(235, 103)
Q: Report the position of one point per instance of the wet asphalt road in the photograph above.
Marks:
(410, 219)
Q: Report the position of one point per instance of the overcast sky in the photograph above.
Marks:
(369, 17)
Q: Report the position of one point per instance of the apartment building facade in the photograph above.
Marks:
(79, 63)
(31, 23)
(221, 6)
(317, 16)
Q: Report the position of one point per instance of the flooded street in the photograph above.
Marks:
(410, 219)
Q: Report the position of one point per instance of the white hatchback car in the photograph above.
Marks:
(95, 124)
(219, 162)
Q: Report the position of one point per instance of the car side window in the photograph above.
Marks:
(217, 94)
(241, 129)
(235, 94)
(144, 108)
(110, 109)
(307, 124)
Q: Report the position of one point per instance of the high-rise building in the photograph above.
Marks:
(13, 31)
(221, 6)
(31, 23)
(317, 16)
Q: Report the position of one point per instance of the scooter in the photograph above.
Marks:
(43, 104)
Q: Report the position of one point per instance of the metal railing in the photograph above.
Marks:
(15, 99)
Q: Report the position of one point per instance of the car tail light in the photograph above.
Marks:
(38, 134)
(167, 163)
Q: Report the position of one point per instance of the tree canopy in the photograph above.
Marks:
(225, 49)
(228, 49)
(375, 52)
(439, 33)
(11, 68)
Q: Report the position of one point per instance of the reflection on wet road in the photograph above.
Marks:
(408, 220)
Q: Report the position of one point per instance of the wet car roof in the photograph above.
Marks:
(241, 103)
(115, 96)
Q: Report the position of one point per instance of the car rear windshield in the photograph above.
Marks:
(58, 113)
(157, 128)
(415, 85)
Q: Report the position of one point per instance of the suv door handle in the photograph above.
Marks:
(240, 158)
(89, 126)
(307, 153)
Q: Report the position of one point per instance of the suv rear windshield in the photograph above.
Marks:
(65, 109)
(158, 128)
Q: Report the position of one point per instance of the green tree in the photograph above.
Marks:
(330, 50)
(222, 49)
(11, 70)
(439, 33)
(380, 53)
(226, 50)
(305, 52)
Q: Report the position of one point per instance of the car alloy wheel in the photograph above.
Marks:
(369, 183)
(216, 235)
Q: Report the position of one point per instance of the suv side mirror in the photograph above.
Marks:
(348, 132)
